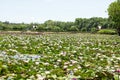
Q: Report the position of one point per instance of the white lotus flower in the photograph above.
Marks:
(39, 77)
(32, 77)
(99, 68)
(59, 60)
(47, 72)
(55, 66)
(75, 69)
(46, 64)
(79, 67)
(65, 67)
(63, 53)
(66, 63)
(36, 63)
(73, 61)
(71, 65)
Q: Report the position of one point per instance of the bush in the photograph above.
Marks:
(107, 31)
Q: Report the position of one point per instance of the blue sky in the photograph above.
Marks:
(60, 10)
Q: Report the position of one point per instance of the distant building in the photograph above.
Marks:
(34, 27)
(99, 27)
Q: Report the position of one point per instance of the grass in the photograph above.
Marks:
(107, 31)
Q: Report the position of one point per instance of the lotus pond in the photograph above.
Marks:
(59, 57)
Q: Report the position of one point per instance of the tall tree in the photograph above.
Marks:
(114, 13)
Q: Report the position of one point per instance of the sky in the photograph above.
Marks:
(38, 11)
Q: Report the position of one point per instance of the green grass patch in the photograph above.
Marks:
(107, 31)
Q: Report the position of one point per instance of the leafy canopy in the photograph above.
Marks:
(114, 12)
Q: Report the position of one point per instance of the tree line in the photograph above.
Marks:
(79, 25)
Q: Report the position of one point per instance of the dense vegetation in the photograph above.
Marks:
(80, 24)
(59, 57)
(114, 14)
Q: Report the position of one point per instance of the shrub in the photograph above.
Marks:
(107, 31)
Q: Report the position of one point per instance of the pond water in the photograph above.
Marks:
(24, 57)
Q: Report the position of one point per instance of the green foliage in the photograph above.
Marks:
(114, 11)
(93, 30)
(114, 14)
(107, 31)
(80, 24)
(73, 28)
(104, 75)
(59, 56)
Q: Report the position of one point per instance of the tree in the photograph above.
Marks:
(73, 28)
(114, 14)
